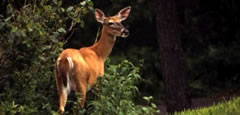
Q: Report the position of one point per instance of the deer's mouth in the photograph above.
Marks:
(124, 33)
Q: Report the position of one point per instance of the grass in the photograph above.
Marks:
(231, 107)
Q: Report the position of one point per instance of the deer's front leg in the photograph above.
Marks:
(91, 82)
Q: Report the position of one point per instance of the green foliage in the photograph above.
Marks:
(12, 108)
(227, 108)
(31, 39)
(115, 92)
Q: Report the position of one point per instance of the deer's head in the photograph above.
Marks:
(113, 23)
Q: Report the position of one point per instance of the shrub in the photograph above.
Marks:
(226, 108)
(31, 39)
(115, 92)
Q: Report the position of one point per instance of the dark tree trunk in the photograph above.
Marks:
(3, 7)
(171, 56)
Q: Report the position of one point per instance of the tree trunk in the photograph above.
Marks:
(171, 56)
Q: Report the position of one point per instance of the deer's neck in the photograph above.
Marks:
(104, 46)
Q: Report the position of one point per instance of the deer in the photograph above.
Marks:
(78, 69)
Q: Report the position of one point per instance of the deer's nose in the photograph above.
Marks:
(125, 32)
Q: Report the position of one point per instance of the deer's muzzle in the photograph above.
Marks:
(124, 33)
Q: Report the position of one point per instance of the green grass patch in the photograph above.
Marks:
(231, 107)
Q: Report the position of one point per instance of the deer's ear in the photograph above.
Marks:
(123, 14)
(100, 16)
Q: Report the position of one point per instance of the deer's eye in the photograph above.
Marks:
(110, 23)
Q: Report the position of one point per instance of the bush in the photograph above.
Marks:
(31, 38)
(114, 93)
(227, 108)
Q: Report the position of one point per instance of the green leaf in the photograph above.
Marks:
(29, 27)
(2, 24)
(69, 9)
(84, 10)
(47, 7)
(61, 30)
(83, 3)
(59, 3)
(148, 98)
(153, 105)
(7, 19)
(55, 1)
(42, 58)
(90, 3)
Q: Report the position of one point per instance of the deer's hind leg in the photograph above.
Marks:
(82, 90)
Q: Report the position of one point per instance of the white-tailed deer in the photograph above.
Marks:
(78, 70)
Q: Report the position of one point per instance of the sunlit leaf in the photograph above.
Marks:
(69, 9)
(83, 3)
